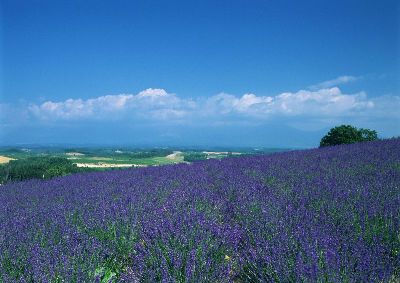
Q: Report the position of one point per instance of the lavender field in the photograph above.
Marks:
(326, 215)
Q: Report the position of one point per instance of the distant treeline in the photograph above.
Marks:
(194, 156)
(150, 153)
(36, 168)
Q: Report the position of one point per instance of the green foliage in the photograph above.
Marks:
(194, 156)
(105, 275)
(346, 134)
(150, 153)
(36, 167)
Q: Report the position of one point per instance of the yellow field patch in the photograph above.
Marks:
(5, 159)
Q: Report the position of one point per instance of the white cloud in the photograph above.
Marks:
(335, 82)
(152, 92)
(324, 104)
(150, 103)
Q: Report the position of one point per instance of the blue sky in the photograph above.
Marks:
(240, 73)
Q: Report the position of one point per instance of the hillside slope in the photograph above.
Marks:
(328, 214)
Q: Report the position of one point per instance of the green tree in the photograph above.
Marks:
(36, 167)
(368, 135)
(346, 134)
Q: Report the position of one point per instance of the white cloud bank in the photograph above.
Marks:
(159, 105)
(324, 102)
(150, 103)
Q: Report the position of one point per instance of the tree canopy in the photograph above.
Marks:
(36, 167)
(346, 134)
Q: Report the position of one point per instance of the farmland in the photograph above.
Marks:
(95, 156)
(43, 162)
(106, 157)
(320, 215)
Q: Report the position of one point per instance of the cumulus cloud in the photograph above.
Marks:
(324, 104)
(153, 103)
(335, 82)
(153, 92)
